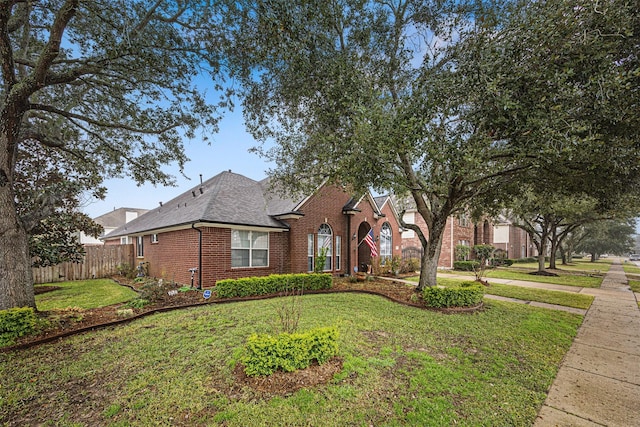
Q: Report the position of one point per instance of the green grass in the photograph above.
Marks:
(574, 277)
(401, 366)
(630, 268)
(577, 265)
(567, 299)
(84, 294)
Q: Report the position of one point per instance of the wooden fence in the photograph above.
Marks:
(99, 261)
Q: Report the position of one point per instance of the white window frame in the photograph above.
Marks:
(251, 238)
(310, 252)
(325, 239)
(140, 246)
(154, 238)
(386, 242)
(338, 250)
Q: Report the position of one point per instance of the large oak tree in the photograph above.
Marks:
(367, 93)
(449, 103)
(108, 86)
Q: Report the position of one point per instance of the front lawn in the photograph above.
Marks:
(401, 366)
(84, 294)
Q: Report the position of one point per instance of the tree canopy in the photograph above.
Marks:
(452, 104)
(93, 90)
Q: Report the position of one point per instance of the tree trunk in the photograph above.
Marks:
(16, 284)
(552, 255)
(431, 256)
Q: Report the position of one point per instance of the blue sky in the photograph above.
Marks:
(228, 150)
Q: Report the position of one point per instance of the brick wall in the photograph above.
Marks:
(325, 206)
(177, 251)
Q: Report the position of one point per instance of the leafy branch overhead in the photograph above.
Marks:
(95, 90)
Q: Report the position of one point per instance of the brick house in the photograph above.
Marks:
(231, 226)
(514, 241)
(459, 230)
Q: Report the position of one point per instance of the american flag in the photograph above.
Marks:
(370, 241)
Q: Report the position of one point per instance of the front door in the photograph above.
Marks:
(364, 252)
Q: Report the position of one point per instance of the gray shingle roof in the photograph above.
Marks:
(227, 198)
(117, 217)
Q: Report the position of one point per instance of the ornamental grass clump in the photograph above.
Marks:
(264, 353)
(467, 294)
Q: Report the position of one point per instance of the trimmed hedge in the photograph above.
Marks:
(250, 286)
(468, 294)
(265, 354)
(525, 260)
(465, 265)
(15, 323)
(500, 262)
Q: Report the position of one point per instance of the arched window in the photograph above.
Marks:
(325, 245)
(386, 237)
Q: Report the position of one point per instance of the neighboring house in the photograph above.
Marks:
(513, 240)
(231, 226)
(110, 221)
(459, 230)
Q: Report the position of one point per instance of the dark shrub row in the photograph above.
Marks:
(465, 265)
(250, 286)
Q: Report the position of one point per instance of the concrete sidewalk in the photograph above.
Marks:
(598, 383)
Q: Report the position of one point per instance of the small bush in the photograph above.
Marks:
(250, 286)
(468, 294)
(501, 262)
(155, 290)
(465, 265)
(265, 354)
(137, 303)
(15, 323)
(409, 265)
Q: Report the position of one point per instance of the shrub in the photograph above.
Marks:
(249, 286)
(265, 354)
(468, 294)
(154, 290)
(465, 265)
(525, 260)
(137, 303)
(409, 265)
(462, 252)
(501, 262)
(15, 323)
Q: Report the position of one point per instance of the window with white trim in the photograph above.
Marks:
(154, 238)
(325, 243)
(338, 250)
(386, 236)
(310, 252)
(249, 248)
(140, 246)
